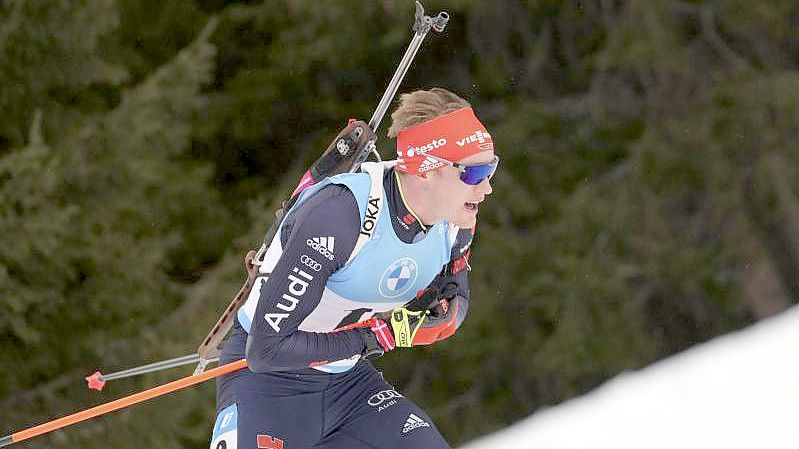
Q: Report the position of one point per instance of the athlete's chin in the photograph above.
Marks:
(465, 221)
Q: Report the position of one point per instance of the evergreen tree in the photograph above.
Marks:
(96, 222)
(52, 59)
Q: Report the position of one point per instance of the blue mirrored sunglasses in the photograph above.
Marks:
(472, 174)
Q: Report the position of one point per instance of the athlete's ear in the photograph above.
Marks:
(429, 175)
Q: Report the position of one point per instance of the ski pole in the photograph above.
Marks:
(97, 380)
(121, 403)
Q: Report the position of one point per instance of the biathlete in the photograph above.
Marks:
(388, 246)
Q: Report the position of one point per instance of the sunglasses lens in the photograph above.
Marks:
(475, 174)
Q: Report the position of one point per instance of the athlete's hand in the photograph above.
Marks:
(424, 320)
(433, 299)
(378, 338)
(428, 318)
(405, 324)
(397, 330)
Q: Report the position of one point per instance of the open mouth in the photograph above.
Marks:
(471, 206)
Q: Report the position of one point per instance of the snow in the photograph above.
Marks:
(737, 391)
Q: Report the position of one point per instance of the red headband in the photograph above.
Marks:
(453, 136)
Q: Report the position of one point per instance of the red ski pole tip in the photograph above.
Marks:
(96, 381)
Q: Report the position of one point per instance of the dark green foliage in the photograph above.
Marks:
(50, 59)
(647, 198)
(95, 221)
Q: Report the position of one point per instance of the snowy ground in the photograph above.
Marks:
(740, 390)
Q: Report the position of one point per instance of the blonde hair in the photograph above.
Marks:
(422, 105)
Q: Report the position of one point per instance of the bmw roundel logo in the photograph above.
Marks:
(398, 278)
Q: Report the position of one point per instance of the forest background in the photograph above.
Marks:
(648, 198)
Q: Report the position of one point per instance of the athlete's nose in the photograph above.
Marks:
(484, 187)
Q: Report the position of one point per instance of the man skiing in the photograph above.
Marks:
(362, 263)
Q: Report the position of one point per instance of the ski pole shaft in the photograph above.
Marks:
(121, 403)
(98, 380)
(152, 367)
(422, 25)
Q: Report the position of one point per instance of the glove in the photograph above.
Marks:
(405, 324)
(382, 336)
(377, 337)
(439, 309)
(424, 320)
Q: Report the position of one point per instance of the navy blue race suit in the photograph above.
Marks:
(288, 399)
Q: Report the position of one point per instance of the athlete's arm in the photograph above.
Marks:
(457, 271)
(318, 238)
(450, 313)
